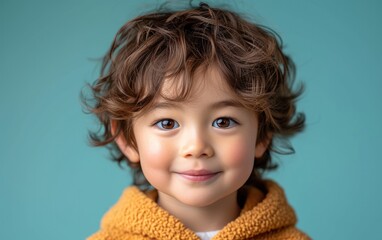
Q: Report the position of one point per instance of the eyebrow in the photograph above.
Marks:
(165, 105)
(226, 103)
(216, 105)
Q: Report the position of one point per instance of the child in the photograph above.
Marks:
(192, 101)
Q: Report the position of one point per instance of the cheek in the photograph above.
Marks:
(156, 158)
(155, 153)
(238, 152)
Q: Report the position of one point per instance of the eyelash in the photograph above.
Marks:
(175, 124)
(159, 124)
(232, 122)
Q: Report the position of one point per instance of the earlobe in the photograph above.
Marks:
(262, 146)
(126, 149)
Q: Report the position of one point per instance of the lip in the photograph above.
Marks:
(198, 175)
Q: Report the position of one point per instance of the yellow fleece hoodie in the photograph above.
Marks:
(136, 216)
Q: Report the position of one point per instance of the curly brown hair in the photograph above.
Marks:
(163, 44)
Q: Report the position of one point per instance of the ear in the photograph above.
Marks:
(262, 146)
(126, 149)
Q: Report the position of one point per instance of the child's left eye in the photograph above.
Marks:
(224, 122)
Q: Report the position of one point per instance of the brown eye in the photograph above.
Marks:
(167, 124)
(224, 123)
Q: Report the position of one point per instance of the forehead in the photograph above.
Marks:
(206, 79)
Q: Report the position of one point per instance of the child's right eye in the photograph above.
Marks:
(167, 124)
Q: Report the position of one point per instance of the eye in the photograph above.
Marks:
(167, 124)
(224, 122)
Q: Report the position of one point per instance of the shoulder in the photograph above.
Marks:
(120, 215)
(265, 215)
(288, 233)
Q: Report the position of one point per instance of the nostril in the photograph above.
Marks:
(203, 152)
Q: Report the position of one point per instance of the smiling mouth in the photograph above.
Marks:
(198, 175)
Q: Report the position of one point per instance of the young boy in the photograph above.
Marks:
(192, 101)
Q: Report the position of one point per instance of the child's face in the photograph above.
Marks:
(201, 151)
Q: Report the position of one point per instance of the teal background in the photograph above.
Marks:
(53, 185)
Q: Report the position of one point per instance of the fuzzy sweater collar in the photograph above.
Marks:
(137, 216)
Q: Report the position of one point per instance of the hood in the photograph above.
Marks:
(137, 216)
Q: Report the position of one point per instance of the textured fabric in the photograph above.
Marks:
(137, 216)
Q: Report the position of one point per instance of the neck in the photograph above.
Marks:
(202, 219)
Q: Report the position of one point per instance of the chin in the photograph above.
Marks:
(201, 199)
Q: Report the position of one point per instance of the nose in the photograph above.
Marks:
(196, 144)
